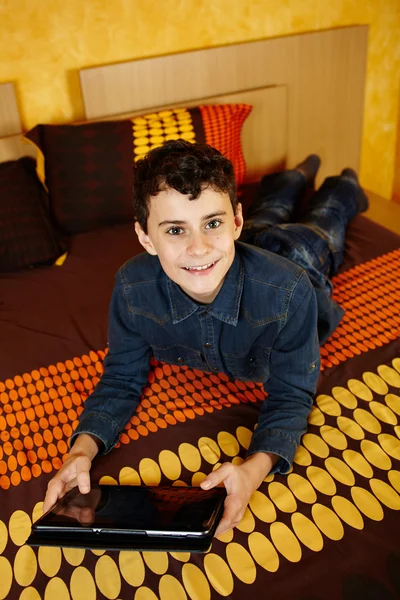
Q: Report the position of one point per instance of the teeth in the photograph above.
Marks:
(199, 268)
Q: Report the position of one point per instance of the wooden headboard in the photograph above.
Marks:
(307, 90)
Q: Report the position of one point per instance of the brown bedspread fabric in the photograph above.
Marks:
(49, 314)
(327, 531)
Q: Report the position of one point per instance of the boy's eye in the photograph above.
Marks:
(175, 230)
(214, 224)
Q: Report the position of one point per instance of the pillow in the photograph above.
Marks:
(88, 167)
(218, 125)
(88, 173)
(27, 237)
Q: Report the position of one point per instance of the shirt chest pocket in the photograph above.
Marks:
(179, 355)
(251, 366)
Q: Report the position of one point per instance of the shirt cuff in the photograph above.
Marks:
(277, 442)
(101, 426)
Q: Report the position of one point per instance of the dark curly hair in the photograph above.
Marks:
(187, 168)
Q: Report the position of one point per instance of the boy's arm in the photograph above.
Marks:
(294, 371)
(126, 369)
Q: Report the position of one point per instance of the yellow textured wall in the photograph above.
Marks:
(396, 183)
(44, 42)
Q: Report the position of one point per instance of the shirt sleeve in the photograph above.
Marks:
(126, 369)
(294, 371)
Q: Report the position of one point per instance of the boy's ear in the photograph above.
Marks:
(238, 221)
(145, 240)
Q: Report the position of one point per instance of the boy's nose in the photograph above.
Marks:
(198, 245)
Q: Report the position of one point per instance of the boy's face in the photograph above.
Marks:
(194, 239)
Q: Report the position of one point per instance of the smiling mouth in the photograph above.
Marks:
(202, 268)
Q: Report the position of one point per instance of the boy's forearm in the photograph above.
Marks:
(86, 444)
(258, 466)
(104, 418)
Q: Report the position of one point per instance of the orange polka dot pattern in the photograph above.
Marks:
(220, 126)
(227, 139)
(39, 410)
(175, 394)
(369, 293)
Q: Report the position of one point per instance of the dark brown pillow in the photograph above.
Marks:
(88, 168)
(88, 173)
(27, 236)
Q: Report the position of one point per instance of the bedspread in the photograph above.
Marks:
(329, 530)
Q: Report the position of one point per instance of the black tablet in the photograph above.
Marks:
(119, 517)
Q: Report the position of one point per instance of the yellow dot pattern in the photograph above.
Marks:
(307, 532)
(108, 577)
(25, 566)
(152, 130)
(57, 588)
(346, 473)
(263, 552)
(327, 521)
(195, 582)
(285, 541)
(347, 512)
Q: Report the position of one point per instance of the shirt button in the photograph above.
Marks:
(207, 345)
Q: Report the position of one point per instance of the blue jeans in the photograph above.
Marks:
(316, 240)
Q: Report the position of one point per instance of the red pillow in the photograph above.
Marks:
(223, 127)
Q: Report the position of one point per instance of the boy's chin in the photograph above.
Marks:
(202, 293)
(204, 298)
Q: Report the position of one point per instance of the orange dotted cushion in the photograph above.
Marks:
(88, 167)
(219, 125)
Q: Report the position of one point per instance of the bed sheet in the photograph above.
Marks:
(329, 530)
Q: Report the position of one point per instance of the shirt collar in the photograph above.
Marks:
(226, 305)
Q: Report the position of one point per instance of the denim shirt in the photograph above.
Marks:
(262, 326)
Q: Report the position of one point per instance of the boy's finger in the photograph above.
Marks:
(52, 495)
(216, 477)
(83, 478)
(225, 524)
(229, 517)
(222, 528)
(47, 503)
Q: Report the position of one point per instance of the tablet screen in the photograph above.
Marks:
(132, 508)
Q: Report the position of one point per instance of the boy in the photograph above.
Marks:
(201, 298)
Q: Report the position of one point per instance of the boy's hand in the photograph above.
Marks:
(74, 472)
(241, 482)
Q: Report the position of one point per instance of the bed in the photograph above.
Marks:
(327, 531)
